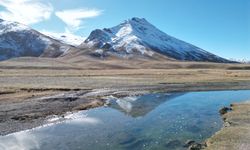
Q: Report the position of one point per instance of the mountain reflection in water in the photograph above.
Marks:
(139, 106)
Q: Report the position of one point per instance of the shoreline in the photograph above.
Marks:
(35, 110)
(235, 133)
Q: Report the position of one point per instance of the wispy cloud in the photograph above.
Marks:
(25, 11)
(74, 18)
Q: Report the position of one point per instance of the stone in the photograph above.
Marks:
(224, 110)
(189, 143)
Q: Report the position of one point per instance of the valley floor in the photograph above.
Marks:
(32, 89)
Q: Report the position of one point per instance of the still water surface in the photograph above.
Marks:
(148, 122)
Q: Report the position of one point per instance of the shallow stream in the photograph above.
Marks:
(150, 122)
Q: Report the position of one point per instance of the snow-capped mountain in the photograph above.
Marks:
(137, 36)
(17, 40)
(66, 37)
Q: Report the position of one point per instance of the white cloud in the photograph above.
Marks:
(74, 17)
(25, 11)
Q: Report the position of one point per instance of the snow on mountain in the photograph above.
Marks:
(8, 26)
(138, 36)
(17, 40)
(66, 37)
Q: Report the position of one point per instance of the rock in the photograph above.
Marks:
(227, 124)
(195, 146)
(71, 99)
(189, 143)
(192, 145)
(224, 110)
(25, 117)
(173, 144)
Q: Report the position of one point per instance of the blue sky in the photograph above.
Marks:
(219, 26)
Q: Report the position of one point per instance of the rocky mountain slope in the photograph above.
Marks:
(137, 36)
(17, 40)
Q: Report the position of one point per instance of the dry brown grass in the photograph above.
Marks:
(44, 73)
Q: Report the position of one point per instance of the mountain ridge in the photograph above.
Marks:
(18, 40)
(134, 38)
(138, 36)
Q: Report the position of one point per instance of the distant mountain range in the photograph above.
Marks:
(18, 40)
(133, 38)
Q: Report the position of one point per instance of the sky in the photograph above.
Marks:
(218, 26)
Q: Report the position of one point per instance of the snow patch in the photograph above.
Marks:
(99, 51)
(66, 37)
(8, 26)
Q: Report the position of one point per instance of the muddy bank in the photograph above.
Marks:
(29, 108)
(235, 135)
(21, 113)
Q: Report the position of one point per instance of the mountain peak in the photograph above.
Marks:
(136, 24)
(138, 20)
(137, 36)
(19, 40)
(11, 26)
